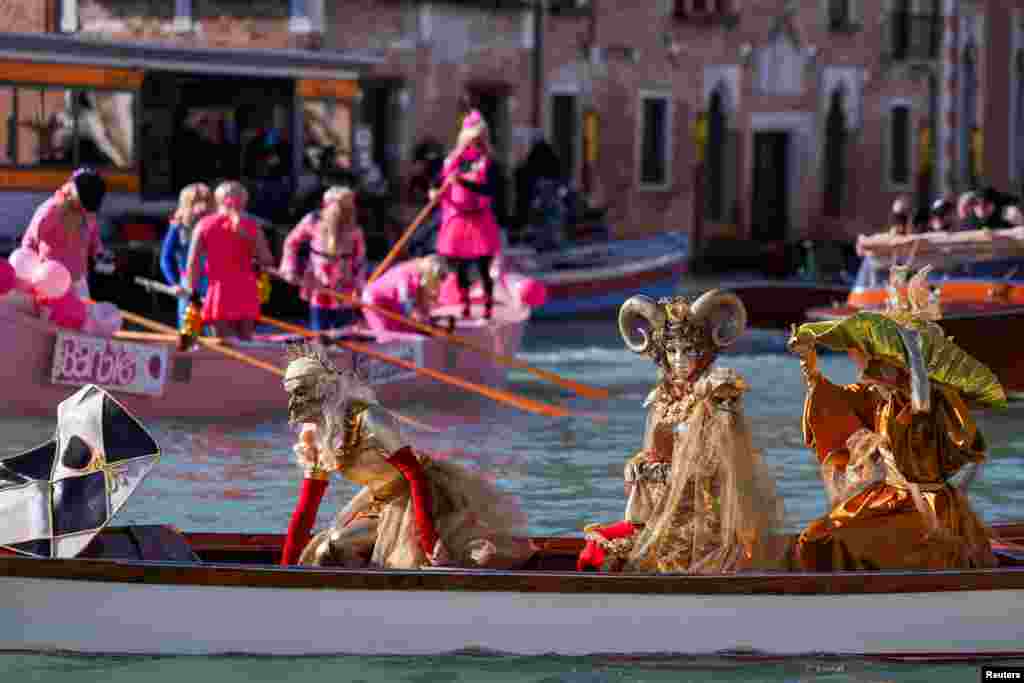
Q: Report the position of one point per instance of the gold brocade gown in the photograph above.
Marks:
(478, 525)
(878, 525)
(699, 496)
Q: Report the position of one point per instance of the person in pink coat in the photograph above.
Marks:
(234, 247)
(469, 234)
(337, 259)
(64, 227)
(410, 288)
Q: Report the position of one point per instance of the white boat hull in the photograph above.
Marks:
(123, 618)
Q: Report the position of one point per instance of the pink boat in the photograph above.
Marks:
(153, 379)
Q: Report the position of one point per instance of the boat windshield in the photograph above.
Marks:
(874, 273)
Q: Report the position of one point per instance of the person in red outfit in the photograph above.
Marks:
(234, 247)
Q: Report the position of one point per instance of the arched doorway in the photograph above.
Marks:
(716, 143)
(835, 154)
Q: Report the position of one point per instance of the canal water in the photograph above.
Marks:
(240, 476)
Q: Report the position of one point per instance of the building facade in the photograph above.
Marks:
(766, 120)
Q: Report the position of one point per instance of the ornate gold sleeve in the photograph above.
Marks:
(380, 427)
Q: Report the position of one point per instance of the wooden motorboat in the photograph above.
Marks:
(978, 277)
(153, 590)
(153, 379)
(597, 277)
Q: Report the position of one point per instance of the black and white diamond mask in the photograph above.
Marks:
(56, 497)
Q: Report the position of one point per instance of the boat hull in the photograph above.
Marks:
(207, 385)
(989, 332)
(597, 278)
(229, 598)
(173, 619)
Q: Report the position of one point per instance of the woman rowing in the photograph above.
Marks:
(194, 202)
(233, 246)
(337, 259)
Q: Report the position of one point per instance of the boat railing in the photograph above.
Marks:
(943, 249)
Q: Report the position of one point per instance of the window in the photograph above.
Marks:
(839, 15)
(328, 131)
(899, 145)
(306, 15)
(915, 32)
(68, 19)
(700, 10)
(654, 141)
(67, 127)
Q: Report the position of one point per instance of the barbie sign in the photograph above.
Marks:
(80, 359)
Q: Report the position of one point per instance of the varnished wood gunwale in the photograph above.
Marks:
(272, 577)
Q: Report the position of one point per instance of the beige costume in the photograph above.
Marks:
(476, 525)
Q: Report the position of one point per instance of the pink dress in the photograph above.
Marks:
(468, 229)
(48, 237)
(343, 273)
(394, 290)
(233, 293)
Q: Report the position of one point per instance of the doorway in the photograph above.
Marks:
(770, 203)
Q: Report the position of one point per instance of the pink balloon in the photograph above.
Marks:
(8, 278)
(51, 280)
(68, 311)
(24, 262)
(529, 291)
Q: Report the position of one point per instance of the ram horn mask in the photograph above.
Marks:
(639, 317)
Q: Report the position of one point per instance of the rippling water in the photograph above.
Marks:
(224, 476)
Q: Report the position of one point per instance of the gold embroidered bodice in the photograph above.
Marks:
(371, 436)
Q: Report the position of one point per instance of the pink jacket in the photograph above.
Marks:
(399, 284)
(344, 273)
(468, 228)
(48, 237)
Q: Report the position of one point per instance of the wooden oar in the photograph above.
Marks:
(498, 395)
(407, 235)
(221, 348)
(578, 387)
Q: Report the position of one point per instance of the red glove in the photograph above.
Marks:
(302, 519)
(593, 554)
(405, 461)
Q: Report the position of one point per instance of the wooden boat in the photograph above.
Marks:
(153, 379)
(153, 590)
(979, 278)
(597, 277)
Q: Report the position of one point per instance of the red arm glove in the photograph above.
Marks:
(405, 461)
(303, 518)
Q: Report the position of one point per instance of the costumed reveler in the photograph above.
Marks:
(412, 511)
(64, 227)
(889, 444)
(336, 260)
(700, 499)
(410, 288)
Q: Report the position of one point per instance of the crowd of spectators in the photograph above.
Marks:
(973, 210)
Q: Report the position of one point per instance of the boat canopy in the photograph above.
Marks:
(281, 63)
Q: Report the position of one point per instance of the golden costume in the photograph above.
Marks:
(889, 444)
(699, 497)
(412, 511)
